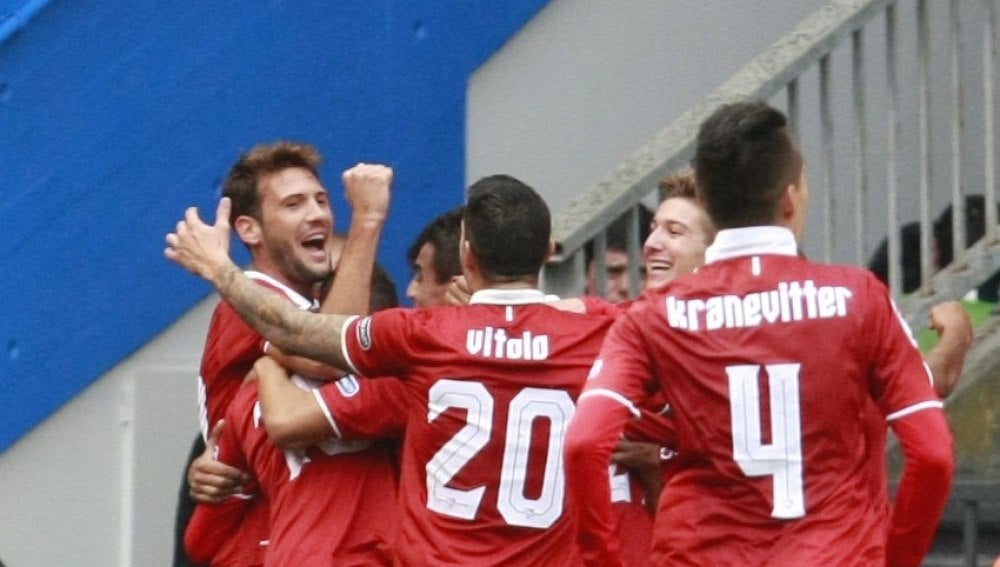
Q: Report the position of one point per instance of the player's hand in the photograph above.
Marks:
(201, 248)
(268, 366)
(954, 327)
(645, 461)
(366, 187)
(950, 318)
(212, 481)
(458, 292)
(636, 454)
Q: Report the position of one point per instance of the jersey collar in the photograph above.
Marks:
(752, 240)
(507, 296)
(296, 297)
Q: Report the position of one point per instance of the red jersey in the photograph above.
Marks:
(633, 521)
(365, 408)
(231, 348)
(331, 504)
(770, 364)
(228, 534)
(492, 388)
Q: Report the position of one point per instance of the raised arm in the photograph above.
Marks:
(946, 359)
(203, 249)
(366, 187)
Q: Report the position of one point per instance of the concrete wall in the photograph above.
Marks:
(586, 83)
(96, 483)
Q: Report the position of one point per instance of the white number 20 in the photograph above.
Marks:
(529, 404)
(782, 457)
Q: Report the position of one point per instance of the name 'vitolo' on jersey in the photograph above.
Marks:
(492, 389)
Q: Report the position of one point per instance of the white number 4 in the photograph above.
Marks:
(782, 457)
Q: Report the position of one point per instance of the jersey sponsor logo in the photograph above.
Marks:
(365, 333)
(348, 386)
(495, 343)
(790, 302)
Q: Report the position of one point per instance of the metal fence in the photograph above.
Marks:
(893, 103)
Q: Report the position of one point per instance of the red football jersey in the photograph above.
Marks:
(365, 408)
(228, 534)
(770, 364)
(492, 389)
(231, 348)
(331, 504)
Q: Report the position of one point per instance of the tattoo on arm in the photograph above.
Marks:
(293, 330)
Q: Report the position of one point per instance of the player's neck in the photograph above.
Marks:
(510, 283)
(307, 290)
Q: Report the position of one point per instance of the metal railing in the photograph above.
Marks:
(886, 141)
(896, 115)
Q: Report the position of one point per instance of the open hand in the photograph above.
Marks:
(201, 248)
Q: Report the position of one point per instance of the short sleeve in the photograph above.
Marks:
(365, 408)
(379, 344)
(902, 382)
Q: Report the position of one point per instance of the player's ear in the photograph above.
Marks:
(550, 251)
(248, 229)
(466, 256)
(787, 206)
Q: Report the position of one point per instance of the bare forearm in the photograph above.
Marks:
(292, 415)
(305, 366)
(295, 331)
(366, 187)
(351, 291)
(946, 360)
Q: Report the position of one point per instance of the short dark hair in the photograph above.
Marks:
(242, 185)
(975, 228)
(508, 227)
(909, 238)
(443, 234)
(383, 294)
(616, 235)
(745, 157)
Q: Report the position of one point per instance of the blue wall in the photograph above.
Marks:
(115, 116)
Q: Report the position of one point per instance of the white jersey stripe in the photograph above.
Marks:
(326, 412)
(343, 345)
(615, 396)
(929, 404)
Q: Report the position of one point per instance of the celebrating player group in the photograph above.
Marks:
(736, 413)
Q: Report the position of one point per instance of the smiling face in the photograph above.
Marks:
(425, 289)
(295, 225)
(680, 233)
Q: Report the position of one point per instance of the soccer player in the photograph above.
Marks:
(492, 384)
(434, 258)
(281, 213)
(330, 503)
(769, 363)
